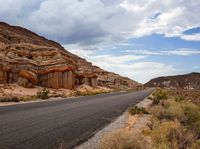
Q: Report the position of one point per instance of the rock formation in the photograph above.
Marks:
(29, 59)
(187, 81)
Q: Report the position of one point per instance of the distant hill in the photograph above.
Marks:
(187, 81)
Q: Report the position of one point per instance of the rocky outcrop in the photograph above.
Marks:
(29, 59)
(187, 81)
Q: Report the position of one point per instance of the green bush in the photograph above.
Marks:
(43, 94)
(159, 95)
(9, 99)
(192, 117)
(179, 98)
(137, 110)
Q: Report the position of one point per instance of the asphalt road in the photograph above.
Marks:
(43, 125)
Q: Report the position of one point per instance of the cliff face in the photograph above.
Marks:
(188, 81)
(29, 59)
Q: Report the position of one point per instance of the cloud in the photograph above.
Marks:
(143, 52)
(106, 59)
(144, 71)
(139, 71)
(110, 60)
(128, 65)
(182, 52)
(193, 37)
(89, 22)
(178, 52)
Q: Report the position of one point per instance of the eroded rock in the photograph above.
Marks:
(29, 60)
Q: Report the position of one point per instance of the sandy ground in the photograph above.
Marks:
(14, 90)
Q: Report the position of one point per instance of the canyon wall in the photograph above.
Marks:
(29, 59)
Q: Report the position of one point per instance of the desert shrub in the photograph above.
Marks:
(122, 139)
(171, 111)
(192, 117)
(28, 98)
(89, 93)
(137, 110)
(196, 145)
(9, 99)
(159, 95)
(179, 98)
(150, 97)
(43, 94)
(171, 135)
(160, 113)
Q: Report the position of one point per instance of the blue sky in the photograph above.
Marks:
(140, 39)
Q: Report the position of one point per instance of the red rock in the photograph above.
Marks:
(30, 59)
(30, 76)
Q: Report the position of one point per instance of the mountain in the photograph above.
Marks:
(29, 59)
(187, 81)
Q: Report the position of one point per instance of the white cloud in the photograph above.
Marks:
(82, 53)
(143, 52)
(127, 65)
(110, 60)
(193, 37)
(178, 52)
(182, 52)
(139, 71)
(89, 22)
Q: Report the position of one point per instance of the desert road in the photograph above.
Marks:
(42, 125)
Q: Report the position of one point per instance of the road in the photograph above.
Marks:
(43, 125)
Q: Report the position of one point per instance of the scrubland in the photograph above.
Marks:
(174, 123)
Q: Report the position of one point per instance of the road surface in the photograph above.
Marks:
(43, 125)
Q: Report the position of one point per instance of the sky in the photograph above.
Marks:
(140, 39)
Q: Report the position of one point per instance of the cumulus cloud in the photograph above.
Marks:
(88, 22)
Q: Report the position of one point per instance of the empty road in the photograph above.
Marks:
(42, 125)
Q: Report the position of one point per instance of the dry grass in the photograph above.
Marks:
(122, 139)
(9, 99)
(28, 98)
(89, 93)
(175, 124)
(171, 135)
(188, 95)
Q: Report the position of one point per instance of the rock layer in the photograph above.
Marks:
(30, 59)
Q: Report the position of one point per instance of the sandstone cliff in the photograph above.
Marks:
(29, 59)
(187, 81)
